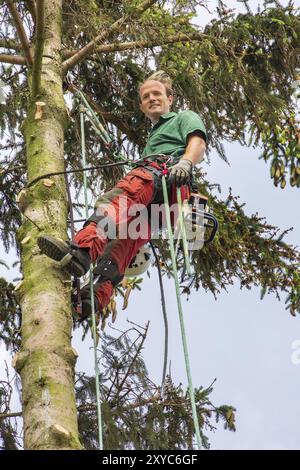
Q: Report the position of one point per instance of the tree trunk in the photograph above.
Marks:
(46, 360)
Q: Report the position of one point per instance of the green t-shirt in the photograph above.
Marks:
(169, 134)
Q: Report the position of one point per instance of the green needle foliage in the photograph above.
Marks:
(241, 73)
(10, 317)
(136, 414)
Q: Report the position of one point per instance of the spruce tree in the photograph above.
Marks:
(239, 73)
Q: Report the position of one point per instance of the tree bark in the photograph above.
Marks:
(46, 359)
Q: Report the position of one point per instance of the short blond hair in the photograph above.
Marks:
(162, 77)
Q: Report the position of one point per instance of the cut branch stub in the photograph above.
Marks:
(25, 240)
(39, 109)
(48, 182)
(22, 200)
(19, 359)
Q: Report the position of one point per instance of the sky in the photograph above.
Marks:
(251, 346)
(244, 342)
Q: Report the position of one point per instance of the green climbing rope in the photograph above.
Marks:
(182, 327)
(99, 415)
(93, 118)
(102, 131)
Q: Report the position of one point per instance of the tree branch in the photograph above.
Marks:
(21, 31)
(137, 404)
(122, 46)
(90, 47)
(10, 44)
(10, 415)
(13, 59)
(134, 358)
(39, 47)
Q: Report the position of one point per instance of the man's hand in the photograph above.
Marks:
(180, 173)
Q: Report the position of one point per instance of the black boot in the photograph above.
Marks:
(73, 259)
(82, 305)
(106, 270)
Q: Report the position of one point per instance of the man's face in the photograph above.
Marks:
(154, 100)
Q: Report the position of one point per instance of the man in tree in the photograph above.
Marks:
(176, 143)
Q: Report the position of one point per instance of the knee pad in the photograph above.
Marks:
(139, 263)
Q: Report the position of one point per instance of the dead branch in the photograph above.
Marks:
(10, 415)
(89, 48)
(10, 44)
(39, 47)
(135, 356)
(20, 30)
(144, 44)
(13, 59)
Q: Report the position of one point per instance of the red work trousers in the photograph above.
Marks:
(137, 187)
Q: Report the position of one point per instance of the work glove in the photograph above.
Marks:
(180, 173)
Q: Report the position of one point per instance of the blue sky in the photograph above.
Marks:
(244, 342)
